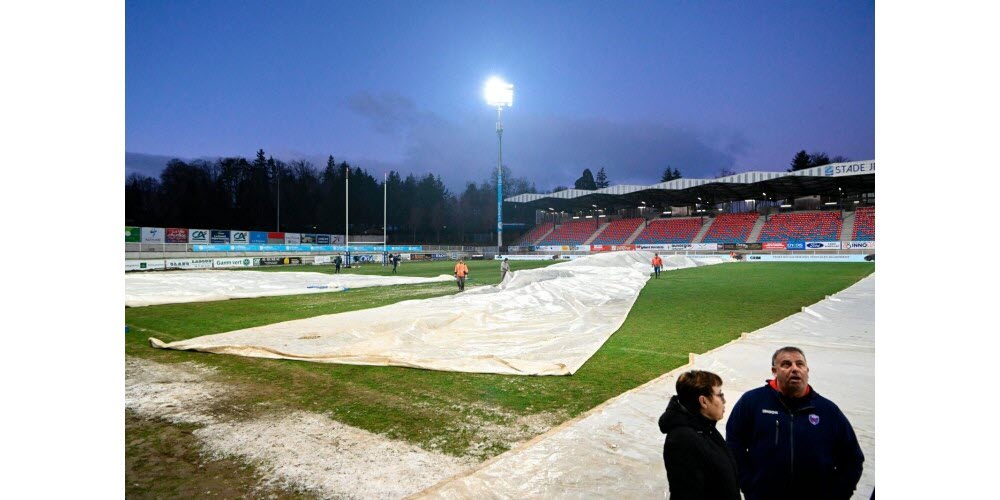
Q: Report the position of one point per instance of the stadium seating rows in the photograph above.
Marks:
(864, 224)
(806, 226)
(618, 231)
(669, 231)
(572, 233)
(731, 228)
(535, 233)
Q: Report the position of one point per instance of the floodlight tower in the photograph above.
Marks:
(499, 93)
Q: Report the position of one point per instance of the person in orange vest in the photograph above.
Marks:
(657, 264)
(461, 272)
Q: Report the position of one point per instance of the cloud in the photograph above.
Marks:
(548, 150)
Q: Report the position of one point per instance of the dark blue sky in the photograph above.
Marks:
(630, 86)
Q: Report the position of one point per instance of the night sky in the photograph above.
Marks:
(629, 86)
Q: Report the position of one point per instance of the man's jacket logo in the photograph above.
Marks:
(814, 419)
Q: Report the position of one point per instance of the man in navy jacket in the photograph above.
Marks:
(790, 442)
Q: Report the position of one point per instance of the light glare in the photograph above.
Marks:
(499, 92)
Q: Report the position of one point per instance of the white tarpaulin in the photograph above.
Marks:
(615, 450)
(546, 321)
(203, 286)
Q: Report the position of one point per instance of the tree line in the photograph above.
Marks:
(234, 193)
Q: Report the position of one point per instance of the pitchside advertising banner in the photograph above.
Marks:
(306, 248)
(773, 245)
(275, 238)
(323, 239)
(276, 261)
(233, 262)
(293, 238)
(610, 248)
(308, 238)
(806, 258)
(133, 234)
(260, 238)
(855, 245)
(198, 236)
(220, 236)
(741, 246)
(152, 235)
(189, 263)
(679, 246)
(240, 237)
(822, 245)
(177, 235)
(143, 265)
(564, 248)
(524, 257)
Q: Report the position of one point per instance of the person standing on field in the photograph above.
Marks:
(698, 462)
(657, 264)
(461, 272)
(790, 442)
(504, 268)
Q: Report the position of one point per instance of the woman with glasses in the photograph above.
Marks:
(699, 464)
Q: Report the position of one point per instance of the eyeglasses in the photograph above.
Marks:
(721, 396)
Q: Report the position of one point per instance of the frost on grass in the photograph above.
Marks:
(301, 450)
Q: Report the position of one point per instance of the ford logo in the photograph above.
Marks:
(814, 245)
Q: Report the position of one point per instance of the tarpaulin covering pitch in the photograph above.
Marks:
(545, 321)
(615, 450)
(147, 289)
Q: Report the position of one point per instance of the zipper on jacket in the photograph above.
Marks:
(776, 432)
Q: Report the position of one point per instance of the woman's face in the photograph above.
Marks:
(714, 407)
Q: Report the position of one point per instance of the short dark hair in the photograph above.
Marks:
(774, 357)
(696, 383)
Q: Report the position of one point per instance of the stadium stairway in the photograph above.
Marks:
(703, 231)
(635, 234)
(847, 231)
(543, 236)
(597, 233)
(755, 232)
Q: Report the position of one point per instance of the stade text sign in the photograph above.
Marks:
(853, 168)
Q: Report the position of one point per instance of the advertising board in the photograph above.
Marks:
(805, 258)
(189, 263)
(233, 262)
(219, 236)
(177, 235)
(198, 236)
(153, 235)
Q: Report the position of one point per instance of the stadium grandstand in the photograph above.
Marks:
(830, 203)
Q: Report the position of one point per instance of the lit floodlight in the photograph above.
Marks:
(499, 93)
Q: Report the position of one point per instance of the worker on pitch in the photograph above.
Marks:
(461, 272)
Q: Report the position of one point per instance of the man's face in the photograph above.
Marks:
(791, 373)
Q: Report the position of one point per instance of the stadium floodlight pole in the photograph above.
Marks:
(277, 224)
(347, 217)
(385, 207)
(499, 93)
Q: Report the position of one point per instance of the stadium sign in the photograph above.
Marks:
(741, 246)
(133, 234)
(293, 238)
(822, 245)
(308, 238)
(275, 238)
(189, 263)
(861, 244)
(219, 236)
(198, 236)
(524, 257)
(610, 248)
(773, 245)
(260, 237)
(795, 245)
(854, 168)
(153, 235)
(322, 239)
(806, 258)
(233, 262)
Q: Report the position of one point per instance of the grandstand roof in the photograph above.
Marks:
(852, 178)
